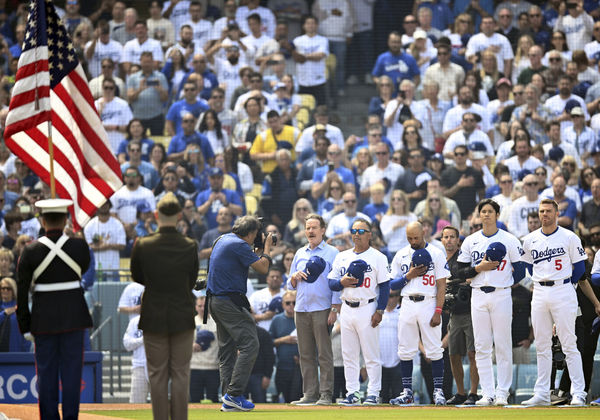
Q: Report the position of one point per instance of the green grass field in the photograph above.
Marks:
(281, 412)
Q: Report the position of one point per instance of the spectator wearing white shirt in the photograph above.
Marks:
(108, 66)
(553, 131)
(201, 28)
(338, 231)
(133, 49)
(125, 32)
(580, 136)
(432, 112)
(106, 237)
(159, 27)
(228, 69)
(496, 108)
(560, 105)
(522, 160)
(310, 54)
(333, 133)
(453, 118)
(186, 45)
(384, 172)
(498, 43)
(177, 11)
(254, 40)
(522, 206)
(399, 110)
(267, 17)
(100, 48)
(114, 113)
(468, 135)
(576, 23)
(504, 198)
(592, 48)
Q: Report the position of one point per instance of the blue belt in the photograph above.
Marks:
(552, 283)
(487, 289)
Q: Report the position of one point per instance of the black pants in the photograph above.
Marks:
(391, 383)
(204, 384)
(318, 91)
(339, 383)
(586, 344)
(289, 383)
(155, 124)
(254, 390)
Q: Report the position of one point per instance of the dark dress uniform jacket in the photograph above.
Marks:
(166, 263)
(58, 311)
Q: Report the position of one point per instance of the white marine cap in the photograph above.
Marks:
(54, 205)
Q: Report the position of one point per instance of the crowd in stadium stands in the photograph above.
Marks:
(229, 104)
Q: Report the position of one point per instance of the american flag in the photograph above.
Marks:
(51, 86)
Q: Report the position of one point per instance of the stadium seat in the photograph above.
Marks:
(330, 65)
(164, 140)
(307, 101)
(303, 118)
(251, 205)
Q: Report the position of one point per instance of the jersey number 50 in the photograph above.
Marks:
(366, 282)
(429, 280)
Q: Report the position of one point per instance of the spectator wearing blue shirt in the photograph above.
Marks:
(377, 208)
(476, 8)
(212, 199)
(230, 309)
(199, 67)
(566, 207)
(333, 168)
(179, 142)
(188, 105)
(15, 49)
(442, 16)
(11, 339)
(396, 64)
(149, 174)
(135, 131)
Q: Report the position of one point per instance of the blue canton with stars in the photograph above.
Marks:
(45, 28)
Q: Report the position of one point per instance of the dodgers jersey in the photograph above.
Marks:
(426, 284)
(473, 250)
(596, 266)
(552, 255)
(377, 273)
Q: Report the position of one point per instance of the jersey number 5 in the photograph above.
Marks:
(558, 265)
(429, 280)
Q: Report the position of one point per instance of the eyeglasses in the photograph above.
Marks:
(474, 227)
(130, 175)
(135, 150)
(397, 199)
(595, 234)
(506, 181)
(431, 200)
(349, 201)
(571, 164)
(381, 153)
(359, 231)
(554, 59)
(289, 302)
(460, 154)
(385, 84)
(530, 184)
(504, 16)
(187, 121)
(518, 93)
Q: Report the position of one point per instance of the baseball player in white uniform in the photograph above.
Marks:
(362, 309)
(423, 290)
(557, 261)
(491, 301)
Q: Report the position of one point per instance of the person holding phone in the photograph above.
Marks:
(576, 23)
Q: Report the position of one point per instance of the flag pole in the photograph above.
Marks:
(51, 156)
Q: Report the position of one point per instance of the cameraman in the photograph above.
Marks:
(230, 309)
(460, 328)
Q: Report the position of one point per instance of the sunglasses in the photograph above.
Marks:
(359, 231)
(554, 59)
(473, 227)
(381, 153)
(431, 200)
(290, 302)
(506, 181)
(460, 154)
(531, 184)
(349, 201)
(469, 120)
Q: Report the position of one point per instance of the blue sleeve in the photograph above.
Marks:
(578, 270)
(123, 147)
(167, 69)
(596, 279)
(87, 279)
(318, 175)
(172, 112)
(172, 146)
(571, 211)
(518, 271)
(378, 68)
(335, 285)
(183, 80)
(384, 294)
(529, 268)
(398, 283)
(349, 178)
(375, 106)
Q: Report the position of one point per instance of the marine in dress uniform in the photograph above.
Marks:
(51, 268)
(166, 263)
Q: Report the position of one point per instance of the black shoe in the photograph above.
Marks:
(457, 399)
(471, 399)
(559, 400)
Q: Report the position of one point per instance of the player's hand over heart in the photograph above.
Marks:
(348, 281)
(486, 265)
(415, 271)
(436, 320)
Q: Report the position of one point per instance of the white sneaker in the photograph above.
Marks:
(578, 401)
(536, 400)
(501, 401)
(485, 401)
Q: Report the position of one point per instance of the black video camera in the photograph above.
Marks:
(259, 242)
